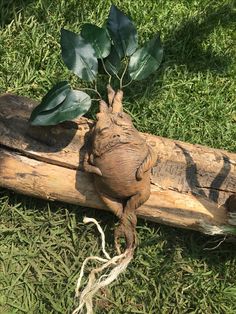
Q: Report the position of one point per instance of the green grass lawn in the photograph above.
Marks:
(190, 98)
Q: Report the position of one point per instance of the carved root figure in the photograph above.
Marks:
(120, 160)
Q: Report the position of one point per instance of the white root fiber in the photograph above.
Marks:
(107, 272)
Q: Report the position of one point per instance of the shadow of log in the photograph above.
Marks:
(192, 176)
(230, 204)
(219, 179)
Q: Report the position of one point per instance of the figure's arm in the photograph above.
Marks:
(147, 164)
(89, 167)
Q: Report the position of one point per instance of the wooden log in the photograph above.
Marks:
(190, 183)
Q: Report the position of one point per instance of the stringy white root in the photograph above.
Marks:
(109, 271)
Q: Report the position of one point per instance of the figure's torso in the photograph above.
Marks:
(119, 167)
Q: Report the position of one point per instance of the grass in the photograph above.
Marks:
(191, 98)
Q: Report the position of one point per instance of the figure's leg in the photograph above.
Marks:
(113, 204)
(137, 200)
(128, 221)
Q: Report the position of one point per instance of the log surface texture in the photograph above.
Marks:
(190, 183)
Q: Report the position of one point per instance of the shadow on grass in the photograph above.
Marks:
(106, 219)
(8, 9)
(213, 250)
(56, 244)
(183, 46)
(193, 244)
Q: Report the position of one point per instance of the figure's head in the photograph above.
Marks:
(112, 115)
(113, 126)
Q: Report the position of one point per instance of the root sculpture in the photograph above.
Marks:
(121, 161)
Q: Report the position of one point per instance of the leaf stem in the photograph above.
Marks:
(128, 83)
(109, 81)
(105, 69)
(117, 76)
(92, 90)
(123, 74)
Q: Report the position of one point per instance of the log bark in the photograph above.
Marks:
(190, 183)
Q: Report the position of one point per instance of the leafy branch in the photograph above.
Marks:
(115, 48)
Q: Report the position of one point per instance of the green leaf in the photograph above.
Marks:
(76, 104)
(98, 38)
(78, 55)
(146, 60)
(122, 32)
(113, 62)
(52, 99)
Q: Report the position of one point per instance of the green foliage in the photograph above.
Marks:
(113, 62)
(52, 99)
(114, 47)
(79, 55)
(123, 33)
(98, 38)
(60, 104)
(146, 60)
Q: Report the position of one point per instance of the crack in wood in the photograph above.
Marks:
(216, 189)
(38, 157)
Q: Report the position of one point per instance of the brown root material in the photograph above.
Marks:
(126, 229)
(120, 161)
